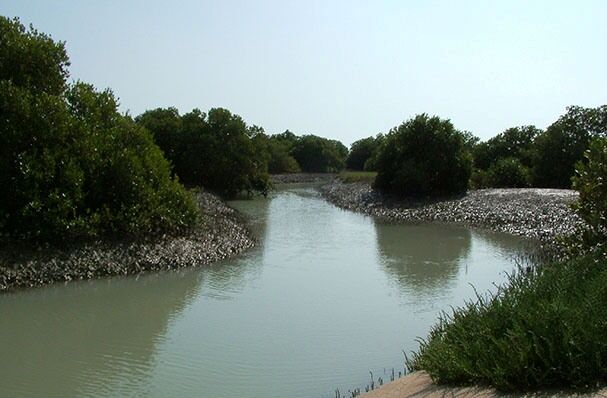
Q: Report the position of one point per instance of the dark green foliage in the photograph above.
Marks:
(280, 160)
(71, 165)
(508, 173)
(591, 182)
(277, 148)
(319, 155)
(164, 124)
(562, 145)
(371, 162)
(30, 59)
(545, 329)
(360, 152)
(424, 156)
(515, 143)
(349, 176)
(216, 150)
(286, 139)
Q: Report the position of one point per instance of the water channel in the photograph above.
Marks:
(327, 296)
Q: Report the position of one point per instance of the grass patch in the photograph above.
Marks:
(546, 328)
(349, 176)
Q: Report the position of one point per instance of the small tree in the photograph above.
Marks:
(319, 155)
(591, 182)
(562, 145)
(32, 60)
(216, 149)
(508, 173)
(71, 165)
(360, 152)
(424, 156)
(515, 142)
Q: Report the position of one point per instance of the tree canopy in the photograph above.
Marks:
(319, 155)
(562, 145)
(361, 151)
(424, 156)
(71, 165)
(216, 149)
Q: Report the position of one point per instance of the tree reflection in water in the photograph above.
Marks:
(422, 258)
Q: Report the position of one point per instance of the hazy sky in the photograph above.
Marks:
(339, 69)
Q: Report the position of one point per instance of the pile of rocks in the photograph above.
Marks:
(534, 213)
(300, 178)
(221, 233)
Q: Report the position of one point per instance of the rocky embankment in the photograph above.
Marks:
(300, 178)
(534, 213)
(222, 233)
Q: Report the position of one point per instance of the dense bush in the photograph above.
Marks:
(216, 150)
(591, 182)
(360, 152)
(371, 162)
(280, 159)
(546, 327)
(424, 156)
(557, 150)
(508, 173)
(32, 60)
(514, 143)
(319, 155)
(278, 147)
(551, 155)
(479, 179)
(70, 164)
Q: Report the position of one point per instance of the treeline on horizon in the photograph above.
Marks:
(73, 166)
(423, 156)
(524, 156)
(220, 152)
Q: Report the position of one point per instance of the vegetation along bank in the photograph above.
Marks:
(544, 329)
(89, 191)
(219, 234)
(535, 213)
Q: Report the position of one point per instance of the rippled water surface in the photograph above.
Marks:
(327, 296)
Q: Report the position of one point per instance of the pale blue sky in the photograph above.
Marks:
(339, 69)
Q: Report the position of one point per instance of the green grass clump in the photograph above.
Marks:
(546, 328)
(349, 176)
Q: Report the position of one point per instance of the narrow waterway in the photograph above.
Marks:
(326, 296)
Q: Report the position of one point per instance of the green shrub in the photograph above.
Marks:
(70, 165)
(508, 173)
(424, 156)
(360, 152)
(349, 176)
(216, 149)
(591, 182)
(32, 60)
(280, 160)
(545, 329)
(556, 151)
(515, 142)
(479, 179)
(319, 155)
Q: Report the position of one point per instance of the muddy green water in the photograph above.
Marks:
(327, 296)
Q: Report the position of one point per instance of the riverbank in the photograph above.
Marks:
(533, 213)
(295, 178)
(221, 233)
(541, 214)
(419, 384)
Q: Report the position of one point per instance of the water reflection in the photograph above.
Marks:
(326, 296)
(92, 338)
(422, 258)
